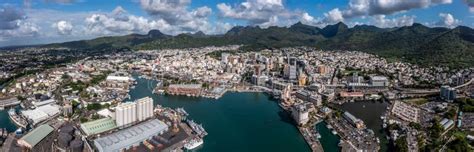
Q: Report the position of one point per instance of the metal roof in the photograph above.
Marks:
(130, 136)
(98, 126)
(38, 134)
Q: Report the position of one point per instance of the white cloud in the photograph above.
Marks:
(13, 24)
(63, 27)
(10, 17)
(334, 16)
(448, 20)
(383, 22)
(115, 24)
(176, 14)
(363, 8)
(264, 13)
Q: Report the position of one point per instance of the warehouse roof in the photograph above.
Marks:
(130, 136)
(38, 134)
(98, 126)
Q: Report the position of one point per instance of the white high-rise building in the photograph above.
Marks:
(144, 108)
(130, 112)
(125, 113)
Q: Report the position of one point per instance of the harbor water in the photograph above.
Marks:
(370, 112)
(329, 141)
(235, 122)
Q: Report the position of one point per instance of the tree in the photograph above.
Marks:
(401, 144)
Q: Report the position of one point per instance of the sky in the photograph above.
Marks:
(28, 22)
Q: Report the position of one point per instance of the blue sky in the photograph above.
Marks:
(48, 21)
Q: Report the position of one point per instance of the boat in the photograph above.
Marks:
(193, 143)
(334, 132)
(17, 119)
(197, 128)
(318, 135)
(4, 133)
(182, 111)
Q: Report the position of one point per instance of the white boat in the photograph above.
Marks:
(334, 132)
(194, 143)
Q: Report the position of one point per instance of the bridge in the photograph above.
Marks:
(429, 91)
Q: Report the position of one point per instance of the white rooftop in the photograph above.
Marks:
(128, 137)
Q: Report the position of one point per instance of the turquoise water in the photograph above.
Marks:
(5, 122)
(236, 122)
(328, 140)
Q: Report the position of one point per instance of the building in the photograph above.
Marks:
(302, 79)
(144, 108)
(67, 110)
(353, 120)
(289, 71)
(98, 126)
(131, 112)
(259, 80)
(446, 123)
(447, 93)
(405, 112)
(224, 58)
(126, 113)
(185, 89)
(300, 113)
(41, 113)
(129, 137)
(379, 81)
(34, 137)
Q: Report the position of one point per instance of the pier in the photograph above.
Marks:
(8, 102)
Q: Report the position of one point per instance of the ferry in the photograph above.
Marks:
(16, 118)
(193, 143)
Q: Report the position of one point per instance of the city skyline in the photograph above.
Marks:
(47, 21)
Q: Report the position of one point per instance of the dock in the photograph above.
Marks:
(311, 140)
(8, 102)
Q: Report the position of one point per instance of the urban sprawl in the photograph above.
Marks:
(71, 101)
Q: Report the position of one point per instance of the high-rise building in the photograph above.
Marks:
(130, 112)
(144, 108)
(224, 58)
(447, 93)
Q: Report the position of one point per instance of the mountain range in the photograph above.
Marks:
(418, 44)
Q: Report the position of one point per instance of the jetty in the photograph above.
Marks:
(8, 102)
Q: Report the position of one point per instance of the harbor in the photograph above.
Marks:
(239, 120)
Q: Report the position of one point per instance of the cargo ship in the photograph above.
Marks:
(197, 128)
(17, 119)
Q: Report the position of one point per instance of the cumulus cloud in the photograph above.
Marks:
(120, 22)
(264, 13)
(447, 20)
(382, 21)
(177, 14)
(470, 4)
(13, 23)
(63, 27)
(10, 17)
(358, 8)
(333, 16)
